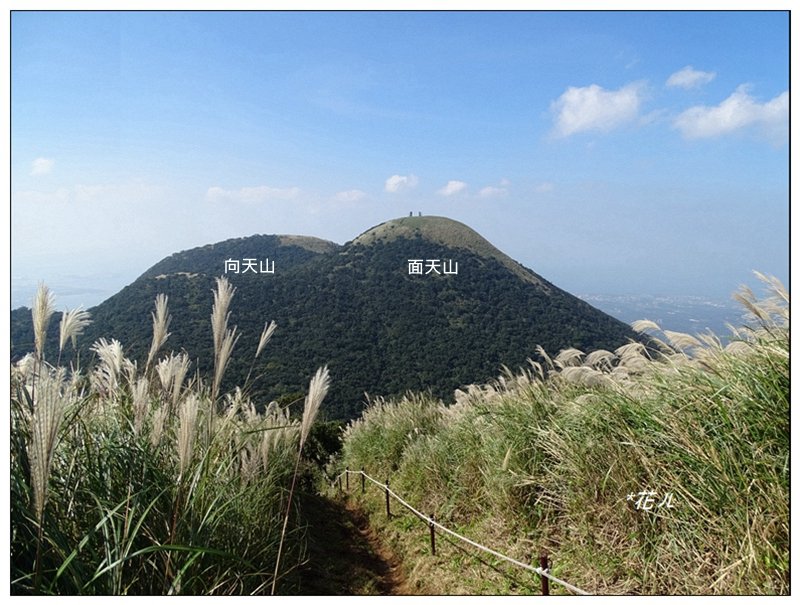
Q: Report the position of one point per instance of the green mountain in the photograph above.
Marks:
(382, 328)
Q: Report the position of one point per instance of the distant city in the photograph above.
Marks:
(690, 314)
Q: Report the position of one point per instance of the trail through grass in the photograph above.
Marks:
(345, 554)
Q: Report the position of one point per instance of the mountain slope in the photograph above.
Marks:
(357, 308)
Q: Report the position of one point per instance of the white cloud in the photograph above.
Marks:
(396, 182)
(499, 191)
(738, 111)
(493, 192)
(41, 166)
(544, 187)
(261, 193)
(352, 195)
(594, 108)
(689, 77)
(452, 187)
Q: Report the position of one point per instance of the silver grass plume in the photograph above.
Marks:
(129, 369)
(710, 340)
(771, 311)
(50, 405)
(506, 459)
(236, 401)
(224, 339)
(187, 430)
(248, 408)
(72, 324)
(164, 371)
(250, 461)
(232, 409)
(171, 372)
(739, 348)
(775, 285)
(600, 359)
(266, 334)
(161, 321)
(537, 369)
(748, 300)
(159, 420)
(585, 376)
(43, 307)
(273, 410)
(26, 367)
(632, 363)
(568, 357)
(632, 349)
(682, 341)
(105, 378)
(219, 312)
(222, 358)
(140, 405)
(542, 353)
(632, 357)
(317, 390)
(642, 325)
(622, 372)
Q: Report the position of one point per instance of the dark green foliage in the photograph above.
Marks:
(324, 441)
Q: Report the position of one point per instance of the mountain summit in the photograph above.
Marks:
(446, 232)
(415, 303)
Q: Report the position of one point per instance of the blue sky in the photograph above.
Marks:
(611, 152)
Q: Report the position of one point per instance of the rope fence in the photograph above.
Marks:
(542, 570)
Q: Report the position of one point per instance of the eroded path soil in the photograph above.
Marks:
(345, 555)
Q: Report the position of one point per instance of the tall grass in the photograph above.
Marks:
(316, 393)
(143, 481)
(547, 457)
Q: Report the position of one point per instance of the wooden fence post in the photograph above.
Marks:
(347, 478)
(362, 479)
(433, 535)
(545, 580)
(388, 512)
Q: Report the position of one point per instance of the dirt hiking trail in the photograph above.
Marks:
(345, 556)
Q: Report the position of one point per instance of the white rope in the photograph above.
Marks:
(537, 570)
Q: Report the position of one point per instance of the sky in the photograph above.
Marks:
(619, 153)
